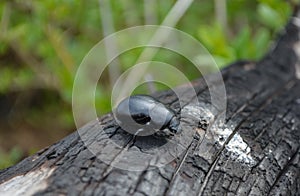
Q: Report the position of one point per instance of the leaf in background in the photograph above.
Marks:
(214, 39)
(24, 79)
(261, 42)
(241, 43)
(11, 157)
(6, 76)
(102, 101)
(3, 47)
(269, 17)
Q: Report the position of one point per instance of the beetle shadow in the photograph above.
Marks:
(144, 143)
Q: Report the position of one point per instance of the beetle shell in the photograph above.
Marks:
(145, 115)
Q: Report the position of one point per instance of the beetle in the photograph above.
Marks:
(145, 115)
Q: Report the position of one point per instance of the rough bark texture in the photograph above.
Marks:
(263, 109)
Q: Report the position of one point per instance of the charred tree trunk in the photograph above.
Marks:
(256, 152)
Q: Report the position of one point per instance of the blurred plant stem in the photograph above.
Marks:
(128, 9)
(150, 14)
(111, 45)
(5, 19)
(221, 13)
(57, 41)
(171, 19)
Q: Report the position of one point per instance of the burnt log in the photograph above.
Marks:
(256, 152)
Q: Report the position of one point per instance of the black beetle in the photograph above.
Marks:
(145, 115)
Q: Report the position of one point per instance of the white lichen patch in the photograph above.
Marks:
(240, 150)
(237, 148)
(27, 184)
(198, 112)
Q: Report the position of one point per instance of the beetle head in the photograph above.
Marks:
(174, 125)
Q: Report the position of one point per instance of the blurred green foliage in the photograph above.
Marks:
(43, 42)
(10, 158)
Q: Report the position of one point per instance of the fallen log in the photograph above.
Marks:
(256, 152)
